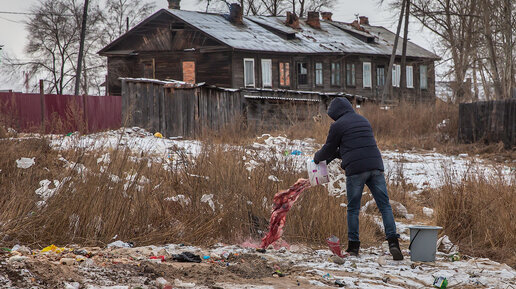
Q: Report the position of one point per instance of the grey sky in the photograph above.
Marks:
(13, 34)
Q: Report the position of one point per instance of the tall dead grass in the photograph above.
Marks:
(203, 199)
(479, 214)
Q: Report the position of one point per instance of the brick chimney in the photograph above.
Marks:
(292, 20)
(326, 16)
(174, 4)
(364, 20)
(236, 14)
(313, 20)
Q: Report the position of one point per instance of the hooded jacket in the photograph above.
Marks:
(351, 139)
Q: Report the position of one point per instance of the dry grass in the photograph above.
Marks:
(90, 208)
(479, 215)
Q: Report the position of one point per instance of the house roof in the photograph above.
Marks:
(270, 34)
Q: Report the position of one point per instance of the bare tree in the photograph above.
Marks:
(274, 7)
(120, 15)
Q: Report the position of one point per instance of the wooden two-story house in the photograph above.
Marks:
(236, 51)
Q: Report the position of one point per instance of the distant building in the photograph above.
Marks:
(236, 51)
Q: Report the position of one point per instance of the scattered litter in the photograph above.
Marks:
(273, 178)
(182, 284)
(340, 283)
(428, 212)
(25, 163)
(162, 258)
(463, 155)
(208, 198)
(337, 260)
(296, 153)
(186, 257)
(67, 261)
(21, 249)
(17, 258)
(440, 282)
(455, 257)
(120, 244)
(158, 135)
(334, 244)
(445, 245)
(53, 248)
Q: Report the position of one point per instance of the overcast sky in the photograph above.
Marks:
(13, 34)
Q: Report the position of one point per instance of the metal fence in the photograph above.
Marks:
(54, 113)
(488, 121)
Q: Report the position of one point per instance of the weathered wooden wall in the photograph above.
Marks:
(488, 121)
(188, 111)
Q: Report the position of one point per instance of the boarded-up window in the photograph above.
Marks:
(423, 77)
(410, 76)
(249, 72)
(319, 73)
(266, 72)
(148, 71)
(284, 71)
(189, 71)
(366, 81)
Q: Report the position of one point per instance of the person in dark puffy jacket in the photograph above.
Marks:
(351, 139)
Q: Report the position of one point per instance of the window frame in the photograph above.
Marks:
(382, 67)
(338, 73)
(245, 73)
(352, 75)
(410, 76)
(364, 65)
(319, 72)
(298, 72)
(421, 77)
(183, 69)
(286, 73)
(269, 61)
(396, 75)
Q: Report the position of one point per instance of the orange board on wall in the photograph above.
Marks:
(189, 71)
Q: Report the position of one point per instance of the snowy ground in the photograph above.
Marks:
(304, 267)
(239, 267)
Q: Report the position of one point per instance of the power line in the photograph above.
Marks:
(30, 13)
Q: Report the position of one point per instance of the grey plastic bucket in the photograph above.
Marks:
(423, 241)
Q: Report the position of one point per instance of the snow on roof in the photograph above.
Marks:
(256, 34)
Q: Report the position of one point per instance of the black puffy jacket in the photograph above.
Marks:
(350, 139)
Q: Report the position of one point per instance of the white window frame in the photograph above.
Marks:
(396, 75)
(319, 73)
(366, 79)
(423, 79)
(267, 82)
(410, 76)
(245, 73)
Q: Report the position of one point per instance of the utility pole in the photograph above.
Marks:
(403, 74)
(388, 82)
(81, 47)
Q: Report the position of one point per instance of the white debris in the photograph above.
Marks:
(119, 244)
(72, 285)
(463, 155)
(44, 191)
(25, 163)
(182, 199)
(105, 158)
(182, 284)
(429, 212)
(273, 178)
(208, 198)
(445, 245)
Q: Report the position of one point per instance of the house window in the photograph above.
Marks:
(267, 73)
(396, 75)
(423, 80)
(350, 74)
(366, 74)
(302, 73)
(284, 71)
(380, 75)
(189, 71)
(410, 76)
(335, 73)
(319, 73)
(249, 72)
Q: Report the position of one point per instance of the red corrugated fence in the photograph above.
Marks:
(62, 113)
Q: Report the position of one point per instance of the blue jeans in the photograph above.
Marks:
(375, 181)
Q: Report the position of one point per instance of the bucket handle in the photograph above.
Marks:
(411, 241)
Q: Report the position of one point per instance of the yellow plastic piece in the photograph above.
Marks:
(53, 248)
(158, 135)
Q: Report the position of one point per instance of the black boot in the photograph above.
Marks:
(394, 248)
(353, 247)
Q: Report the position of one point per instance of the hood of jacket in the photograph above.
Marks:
(338, 107)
